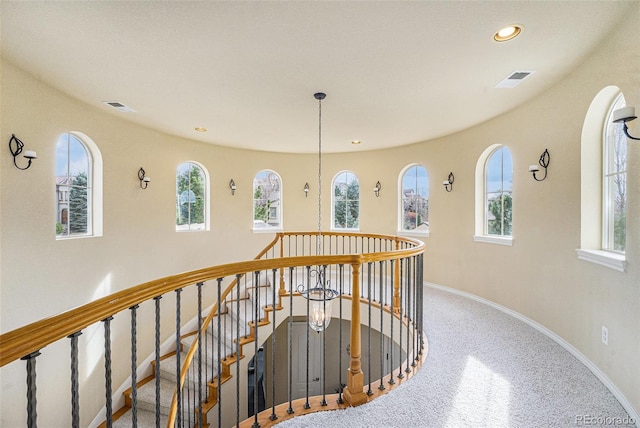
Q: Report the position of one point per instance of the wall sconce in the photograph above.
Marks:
(306, 189)
(15, 147)
(545, 158)
(448, 183)
(232, 186)
(377, 188)
(144, 180)
(624, 115)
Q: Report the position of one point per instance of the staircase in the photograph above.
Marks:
(234, 312)
(368, 269)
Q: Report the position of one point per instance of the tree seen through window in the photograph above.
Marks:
(499, 193)
(346, 201)
(267, 209)
(73, 187)
(415, 199)
(190, 197)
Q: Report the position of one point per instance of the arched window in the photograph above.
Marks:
(267, 201)
(414, 200)
(192, 201)
(603, 182)
(494, 196)
(614, 186)
(346, 201)
(78, 187)
(498, 193)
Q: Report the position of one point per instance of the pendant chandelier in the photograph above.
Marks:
(319, 297)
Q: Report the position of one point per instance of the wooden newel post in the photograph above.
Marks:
(354, 394)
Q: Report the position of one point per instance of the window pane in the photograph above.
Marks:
(266, 200)
(615, 183)
(415, 199)
(190, 197)
(78, 219)
(73, 197)
(346, 196)
(498, 191)
(616, 228)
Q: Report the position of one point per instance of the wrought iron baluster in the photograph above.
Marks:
(107, 370)
(340, 284)
(245, 307)
(369, 266)
(416, 337)
(323, 337)
(75, 383)
(134, 366)
(381, 279)
(402, 263)
(219, 343)
(273, 416)
(408, 311)
(238, 276)
(178, 389)
(392, 277)
(290, 342)
(157, 353)
(256, 315)
(189, 407)
(32, 401)
(306, 403)
(200, 360)
(421, 324)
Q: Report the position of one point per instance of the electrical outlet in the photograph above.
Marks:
(605, 335)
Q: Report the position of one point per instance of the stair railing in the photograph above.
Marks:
(342, 250)
(371, 250)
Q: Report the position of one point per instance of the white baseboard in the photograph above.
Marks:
(628, 407)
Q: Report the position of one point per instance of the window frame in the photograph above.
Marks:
(205, 194)
(333, 200)
(279, 208)
(401, 201)
(591, 183)
(608, 196)
(481, 207)
(93, 187)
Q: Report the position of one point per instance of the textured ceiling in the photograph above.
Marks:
(395, 73)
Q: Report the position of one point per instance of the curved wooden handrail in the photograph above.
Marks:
(35, 336)
(317, 260)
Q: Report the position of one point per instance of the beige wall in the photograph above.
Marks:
(539, 276)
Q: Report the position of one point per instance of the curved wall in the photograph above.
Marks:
(539, 276)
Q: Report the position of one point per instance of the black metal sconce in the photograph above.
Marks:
(544, 160)
(306, 189)
(15, 147)
(232, 186)
(377, 188)
(448, 183)
(144, 180)
(624, 115)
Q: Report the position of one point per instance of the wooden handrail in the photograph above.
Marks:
(361, 258)
(35, 336)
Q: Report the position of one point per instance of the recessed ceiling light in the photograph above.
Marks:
(356, 142)
(507, 33)
(200, 129)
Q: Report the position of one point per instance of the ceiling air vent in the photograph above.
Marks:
(514, 79)
(119, 106)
